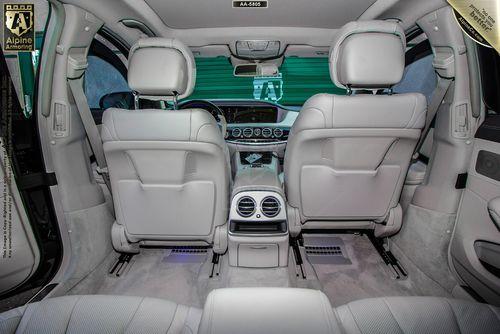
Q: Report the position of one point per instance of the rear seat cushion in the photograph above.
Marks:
(252, 310)
(412, 315)
(101, 314)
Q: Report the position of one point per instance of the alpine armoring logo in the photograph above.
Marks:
(19, 30)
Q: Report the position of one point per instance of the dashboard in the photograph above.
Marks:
(256, 122)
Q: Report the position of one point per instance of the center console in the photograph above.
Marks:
(258, 230)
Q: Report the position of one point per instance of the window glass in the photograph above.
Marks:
(489, 66)
(102, 78)
(418, 77)
(299, 79)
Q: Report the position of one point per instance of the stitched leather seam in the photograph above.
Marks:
(339, 322)
(133, 315)
(454, 315)
(493, 311)
(354, 318)
(173, 318)
(71, 313)
(392, 314)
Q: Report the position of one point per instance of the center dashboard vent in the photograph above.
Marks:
(245, 206)
(270, 206)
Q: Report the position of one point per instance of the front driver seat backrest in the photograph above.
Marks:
(168, 168)
(347, 156)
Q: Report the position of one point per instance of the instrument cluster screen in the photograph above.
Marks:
(248, 114)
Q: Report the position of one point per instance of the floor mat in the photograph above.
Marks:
(180, 274)
(174, 274)
(346, 267)
(352, 269)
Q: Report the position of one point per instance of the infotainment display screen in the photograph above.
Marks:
(252, 115)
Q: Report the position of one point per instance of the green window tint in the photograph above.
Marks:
(299, 79)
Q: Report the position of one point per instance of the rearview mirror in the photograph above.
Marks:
(256, 70)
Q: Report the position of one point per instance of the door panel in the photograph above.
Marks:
(476, 235)
(19, 253)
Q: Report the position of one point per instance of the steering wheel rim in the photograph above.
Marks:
(213, 109)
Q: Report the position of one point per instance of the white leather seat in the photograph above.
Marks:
(252, 310)
(347, 156)
(101, 314)
(168, 168)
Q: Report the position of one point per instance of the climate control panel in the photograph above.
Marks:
(257, 133)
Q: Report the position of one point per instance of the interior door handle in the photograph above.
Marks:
(494, 211)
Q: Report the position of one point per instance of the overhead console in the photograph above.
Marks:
(257, 49)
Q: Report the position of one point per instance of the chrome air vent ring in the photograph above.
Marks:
(267, 132)
(247, 132)
(270, 206)
(236, 132)
(246, 206)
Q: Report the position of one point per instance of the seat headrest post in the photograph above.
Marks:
(136, 100)
(175, 100)
(368, 55)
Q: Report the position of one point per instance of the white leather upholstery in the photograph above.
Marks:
(347, 156)
(414, 315)
(252, 310)
(101, 314)
(169, 173)
(268, 310)
(368, 54)
(169, 169)
(160, 67)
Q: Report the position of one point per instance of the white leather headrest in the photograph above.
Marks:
(161, 67)
(368, 55)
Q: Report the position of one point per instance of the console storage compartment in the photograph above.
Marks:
(258, 255)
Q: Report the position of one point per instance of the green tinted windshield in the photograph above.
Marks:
(299, 79)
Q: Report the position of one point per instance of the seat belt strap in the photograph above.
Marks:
(76, 87)
(437, 98)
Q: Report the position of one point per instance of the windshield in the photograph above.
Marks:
(299, 79)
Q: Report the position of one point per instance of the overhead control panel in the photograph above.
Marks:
(257, 49)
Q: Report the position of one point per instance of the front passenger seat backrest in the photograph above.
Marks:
(347, 156)
(168, 168)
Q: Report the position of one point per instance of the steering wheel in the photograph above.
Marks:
(212, 108)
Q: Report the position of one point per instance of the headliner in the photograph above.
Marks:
(184, 14)
(214, 25)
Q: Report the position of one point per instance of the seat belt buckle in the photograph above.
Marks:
(102, 171)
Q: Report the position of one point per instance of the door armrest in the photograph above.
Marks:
(494, 211)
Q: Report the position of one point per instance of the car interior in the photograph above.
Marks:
(280, 166)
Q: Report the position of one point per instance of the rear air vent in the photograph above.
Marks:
(245, 206)
(270, 206)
